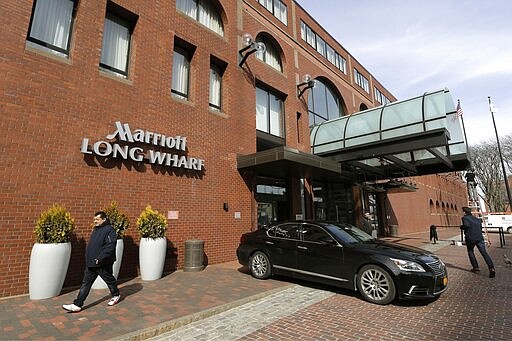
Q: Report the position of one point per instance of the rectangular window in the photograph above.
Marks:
(303, 30)
(116, 44)
(362, 81)
(215, 87)
(269, 113)
(342, 64)
(277, 8)
(51, 25)
(379, 97)
(180, 73)
(204, 12)
(320, 46)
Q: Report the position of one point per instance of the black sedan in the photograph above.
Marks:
(344, 256)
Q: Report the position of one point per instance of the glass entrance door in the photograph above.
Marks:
(267, 213)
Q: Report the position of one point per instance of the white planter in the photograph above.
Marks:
(152, 258)
(48, 268)
(99, 283)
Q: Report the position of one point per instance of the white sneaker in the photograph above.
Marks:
(71, 307)
(114, 300)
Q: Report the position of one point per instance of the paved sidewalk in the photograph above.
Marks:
(150, 308)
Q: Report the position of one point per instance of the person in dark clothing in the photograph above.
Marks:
(100, 255)
(472, 227)
(367, 223)
(433, 233)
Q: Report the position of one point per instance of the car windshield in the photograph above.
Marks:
(348, 234)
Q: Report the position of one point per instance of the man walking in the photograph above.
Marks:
(100, 255)
(472, 227)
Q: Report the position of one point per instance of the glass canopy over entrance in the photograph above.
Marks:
(418, 136)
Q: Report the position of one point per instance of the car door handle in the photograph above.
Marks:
(302, 247)
(269, 242)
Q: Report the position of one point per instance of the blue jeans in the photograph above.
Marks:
(470, 245)
(90, 275)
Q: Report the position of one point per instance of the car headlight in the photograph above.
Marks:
(406, 265)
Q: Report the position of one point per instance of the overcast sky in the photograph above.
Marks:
(415, 46)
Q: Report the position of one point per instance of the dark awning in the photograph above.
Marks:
(283, 162)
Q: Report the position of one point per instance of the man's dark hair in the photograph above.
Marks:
(466, 209)
(102, 214)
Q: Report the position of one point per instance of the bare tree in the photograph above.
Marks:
(506, 149)
(486, 164)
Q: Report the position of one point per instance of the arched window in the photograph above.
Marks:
(271, 54)
(204, 12)
(432, 209)
(323, 103)
(363, 107)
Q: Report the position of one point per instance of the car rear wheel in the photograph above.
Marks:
(376, 285)
(509, 229)
(260, 265)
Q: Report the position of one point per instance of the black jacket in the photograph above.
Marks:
(472, 227)
(101, 246)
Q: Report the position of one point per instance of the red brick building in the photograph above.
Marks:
(164, 103)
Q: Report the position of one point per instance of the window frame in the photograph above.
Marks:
(188, 58)
(46, 45)
(196, 17)
(268, 113)
(271, 52)
(220, 72)
(275, 4)
(130, 25)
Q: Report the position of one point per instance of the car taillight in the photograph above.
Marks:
(243, 239)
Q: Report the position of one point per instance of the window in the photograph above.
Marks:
(269, 113)
(117, 31)
(362, 81)
(287, 231)
(271, 54)
(379, 97)
(180, 73)
(277, 8)
(215, 87)
(311, 233)
(323, 104)
(204, 12)
(327, 51)
(51, 25)
(320, 46)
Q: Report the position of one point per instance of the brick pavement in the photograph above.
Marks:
(150, 308)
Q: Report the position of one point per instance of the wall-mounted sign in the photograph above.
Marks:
(127, 151)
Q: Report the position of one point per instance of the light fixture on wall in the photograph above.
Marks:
(307, 83)
(251, 46)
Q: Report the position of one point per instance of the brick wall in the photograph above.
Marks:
(49, 104)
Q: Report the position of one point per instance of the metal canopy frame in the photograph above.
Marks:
(419, 136)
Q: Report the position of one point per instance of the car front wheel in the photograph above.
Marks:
(376, 285)
(260, 265)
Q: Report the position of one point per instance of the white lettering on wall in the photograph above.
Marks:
(127, 152)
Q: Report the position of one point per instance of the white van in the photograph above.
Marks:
(494, 221)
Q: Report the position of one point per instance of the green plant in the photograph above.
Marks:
(55, 225)
(151, 224)
(118, 220)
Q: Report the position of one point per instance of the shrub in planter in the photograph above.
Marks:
(55, 225)
(151, 224)
(49, 259)
(153, 244)
(118, 220)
